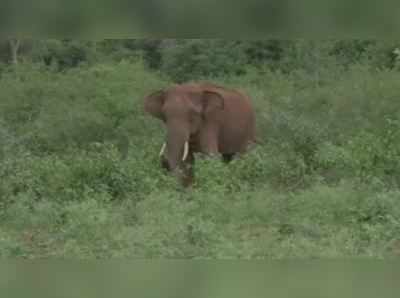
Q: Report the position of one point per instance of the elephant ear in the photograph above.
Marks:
(153, 104)
(207, 102)
(212, 101)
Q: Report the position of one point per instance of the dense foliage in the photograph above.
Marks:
(80, 176)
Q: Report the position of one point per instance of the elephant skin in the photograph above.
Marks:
(212, 119)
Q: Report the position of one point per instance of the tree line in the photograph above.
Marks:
(185, 59)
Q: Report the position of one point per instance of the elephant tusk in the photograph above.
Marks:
(185, 151)
(162, 149)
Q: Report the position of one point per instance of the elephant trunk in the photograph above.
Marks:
(176, 148)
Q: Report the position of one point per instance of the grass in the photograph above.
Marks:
(80, 178)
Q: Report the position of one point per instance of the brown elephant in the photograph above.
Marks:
(201, 118)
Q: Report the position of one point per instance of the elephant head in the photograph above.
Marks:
(184, 110)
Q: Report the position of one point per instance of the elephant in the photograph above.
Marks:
(201, 117)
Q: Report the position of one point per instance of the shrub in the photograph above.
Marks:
(52, 112)
(197, 59)
(80, 174)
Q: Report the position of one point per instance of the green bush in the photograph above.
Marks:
(70, 177)
(54, 111)
(376, 155)
(80, 174)
(195, 59)
(64, 54)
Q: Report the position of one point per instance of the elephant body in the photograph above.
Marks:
(202, 118)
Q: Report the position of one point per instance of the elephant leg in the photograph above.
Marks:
(188, 178)
(164, 163)
(209, 142)
(227, 157)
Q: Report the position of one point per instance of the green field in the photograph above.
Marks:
(80, 175)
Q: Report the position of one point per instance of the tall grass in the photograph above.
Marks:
(79, 174)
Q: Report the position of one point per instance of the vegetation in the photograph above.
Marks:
(80, 175)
